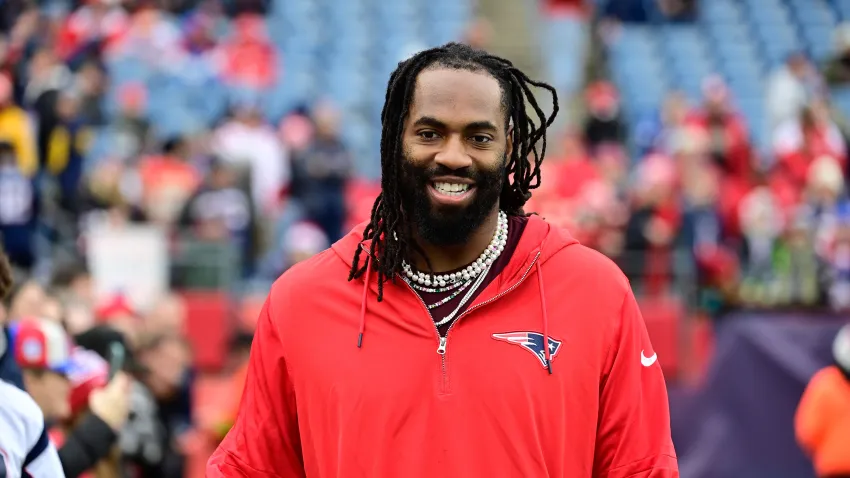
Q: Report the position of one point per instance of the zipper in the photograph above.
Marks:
(443, 340)
(491, 299)
(441, 349)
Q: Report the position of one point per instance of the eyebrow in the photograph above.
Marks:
(435, 123)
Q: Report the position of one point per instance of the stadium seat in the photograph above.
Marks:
(767, 12)
(842, 8)
(841, 99)
(720, 11)
(565, 71)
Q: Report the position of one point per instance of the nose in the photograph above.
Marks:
(453, 155)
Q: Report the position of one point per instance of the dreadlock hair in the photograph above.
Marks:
(389, 228)
(5, 275)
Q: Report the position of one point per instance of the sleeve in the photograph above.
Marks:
(42, 461)
(264, 441)
(813, 412)
(633, 437)
(88, 443)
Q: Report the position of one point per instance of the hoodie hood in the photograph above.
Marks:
(539, 243)
(538, 236)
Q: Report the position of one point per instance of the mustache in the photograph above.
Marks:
(445, 172)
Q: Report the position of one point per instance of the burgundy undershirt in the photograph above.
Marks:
(516, 224)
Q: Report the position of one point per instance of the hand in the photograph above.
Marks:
(112, 403)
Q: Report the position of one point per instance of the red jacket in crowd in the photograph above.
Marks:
(317, 405)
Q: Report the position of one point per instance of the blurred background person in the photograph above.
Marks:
(321, 172)
(821, 419)
(44, 352)
(162, 162)
(24, 442)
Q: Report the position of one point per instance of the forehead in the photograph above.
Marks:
(457, 96)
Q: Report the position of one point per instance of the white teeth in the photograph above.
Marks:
(453, 189)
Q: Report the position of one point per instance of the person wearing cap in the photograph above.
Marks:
(88, 374)
(43, 351)
(822, 422)
(9, 370)
(25, 448)
(119, 314)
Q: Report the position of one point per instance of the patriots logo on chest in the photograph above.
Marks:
(532, 342)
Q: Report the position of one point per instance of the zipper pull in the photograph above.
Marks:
(442, 348)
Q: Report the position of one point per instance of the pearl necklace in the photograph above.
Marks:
(470, 272)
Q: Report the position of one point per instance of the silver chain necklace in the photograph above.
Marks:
(469, 279)
(466, 297)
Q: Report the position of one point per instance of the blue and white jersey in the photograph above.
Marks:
(25, 449)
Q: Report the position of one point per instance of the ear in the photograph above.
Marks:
(509, 141)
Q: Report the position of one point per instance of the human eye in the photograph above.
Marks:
(428, 135)
(481, 139)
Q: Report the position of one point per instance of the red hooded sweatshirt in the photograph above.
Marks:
(317, 405)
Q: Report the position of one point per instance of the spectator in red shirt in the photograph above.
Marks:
(575, 168)
(728, 138)
(797, 143)
(248, 59)
(96, 22)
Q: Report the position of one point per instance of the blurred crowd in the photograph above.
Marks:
(682, 200)
(81, 149)
(110, 414)
(78, 146)
(691, 197)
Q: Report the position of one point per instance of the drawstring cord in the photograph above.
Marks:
(363, 302)
(545, 318)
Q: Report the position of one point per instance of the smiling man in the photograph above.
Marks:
(470, 339)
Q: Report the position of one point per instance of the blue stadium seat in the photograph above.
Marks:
(720, 11)
(729, 34)
(740, 50)
(125, 70)
(742, 69)
(840, 97)
(442, 31)
(563, 40)
(746, 88)
(819, 40)
(691, 69)
(842, 8)
(684, 48)
(814, 14)
(767, 12)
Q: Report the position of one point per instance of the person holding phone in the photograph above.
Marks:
(43, 351)
(90, 376)
(25, 447)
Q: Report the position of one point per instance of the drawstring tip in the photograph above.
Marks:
(549, 366)
(360, 340)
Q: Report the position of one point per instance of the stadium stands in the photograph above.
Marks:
(341, 48)
(742, 40)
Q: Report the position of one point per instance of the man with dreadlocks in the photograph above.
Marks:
(470, 339)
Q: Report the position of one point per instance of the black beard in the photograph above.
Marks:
(449, 226)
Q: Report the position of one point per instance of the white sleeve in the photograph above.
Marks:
(42, 460)
(29, 450)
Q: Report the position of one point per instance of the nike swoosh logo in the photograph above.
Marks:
(647, 361)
